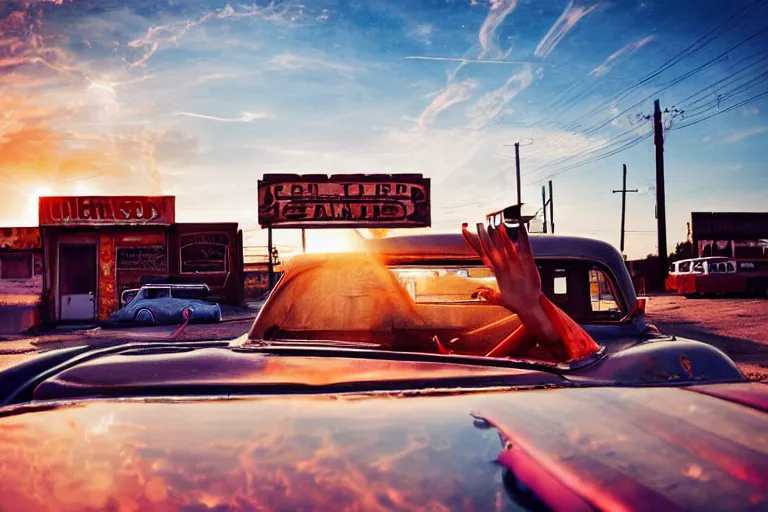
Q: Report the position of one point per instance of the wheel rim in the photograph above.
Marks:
(145, 317)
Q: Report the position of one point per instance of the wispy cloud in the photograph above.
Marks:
(571, 15)
(476, 61)
(454, 93)
(498, 12)
(490, 107)
(750, 111)
(629, 49)
(160, 36)
(212, 77)
(21, 44)
(245, 117)
(295, 62)
(423, 33)
(744, 134)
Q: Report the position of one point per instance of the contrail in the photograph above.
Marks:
(478, 61)
(245, 117)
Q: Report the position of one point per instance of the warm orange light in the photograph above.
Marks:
(323, 241)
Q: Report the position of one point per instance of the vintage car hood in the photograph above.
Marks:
(619, 449)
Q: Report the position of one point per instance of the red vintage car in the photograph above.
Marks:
(337, 400)
(716, 275)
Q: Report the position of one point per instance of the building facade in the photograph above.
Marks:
(94, 248)
(21, 278)
(730, 234)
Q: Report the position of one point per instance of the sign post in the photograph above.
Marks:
(342, 201)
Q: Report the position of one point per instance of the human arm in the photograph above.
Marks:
(520, 292)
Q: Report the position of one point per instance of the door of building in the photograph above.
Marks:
(77, 277)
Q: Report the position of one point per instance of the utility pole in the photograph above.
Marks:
(544, 206)
(624, 203)
(661, 217)
(551, 208)
(517, 168)
(303, 240)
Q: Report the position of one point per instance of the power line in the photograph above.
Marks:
(687, 52)
(626, 146)
(729, 78)
(715, 103)
(685, 76)
(603, 146)
(737, 105)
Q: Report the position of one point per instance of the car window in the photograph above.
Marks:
(129, 295)
(444, 284)
(188, 293)
(684, 267)
(157, 293)
(585, 293)
(602, 293)
(731, 267)
(698, 267)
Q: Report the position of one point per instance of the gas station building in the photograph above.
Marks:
(94, 248)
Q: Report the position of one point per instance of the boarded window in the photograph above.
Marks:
(142, 258)
(204, 253)
(15, 266)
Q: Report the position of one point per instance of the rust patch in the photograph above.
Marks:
(687, 366)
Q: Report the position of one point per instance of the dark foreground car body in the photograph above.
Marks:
(218, 426)
(328, 403)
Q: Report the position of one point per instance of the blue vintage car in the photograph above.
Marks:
(156, 304)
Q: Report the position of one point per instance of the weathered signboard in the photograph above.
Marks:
(107, 210)
(344, 201)
(729, 225)
(204, 252)
(20, 239)
(142, 258)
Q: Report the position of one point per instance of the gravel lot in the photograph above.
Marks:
(735, 326)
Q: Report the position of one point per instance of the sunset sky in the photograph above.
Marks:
(200, 98)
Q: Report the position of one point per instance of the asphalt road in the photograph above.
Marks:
(735, 326)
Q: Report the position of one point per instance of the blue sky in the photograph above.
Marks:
(199, 98)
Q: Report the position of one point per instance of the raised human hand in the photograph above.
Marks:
(519, 284)
(512, 264)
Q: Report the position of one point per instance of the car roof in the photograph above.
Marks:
(447, 247)
(706, 258)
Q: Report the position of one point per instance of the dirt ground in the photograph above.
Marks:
(737, 326)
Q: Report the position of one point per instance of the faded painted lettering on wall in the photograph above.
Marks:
(305, 201)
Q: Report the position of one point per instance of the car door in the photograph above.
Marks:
(158, 301)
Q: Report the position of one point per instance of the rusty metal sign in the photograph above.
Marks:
(729, 225)
(20, 239)
(344, 201)
(107, 210)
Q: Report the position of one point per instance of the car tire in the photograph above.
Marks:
(145, 317)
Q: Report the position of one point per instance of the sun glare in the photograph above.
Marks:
(331, 241)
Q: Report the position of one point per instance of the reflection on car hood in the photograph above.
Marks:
(668, 448)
